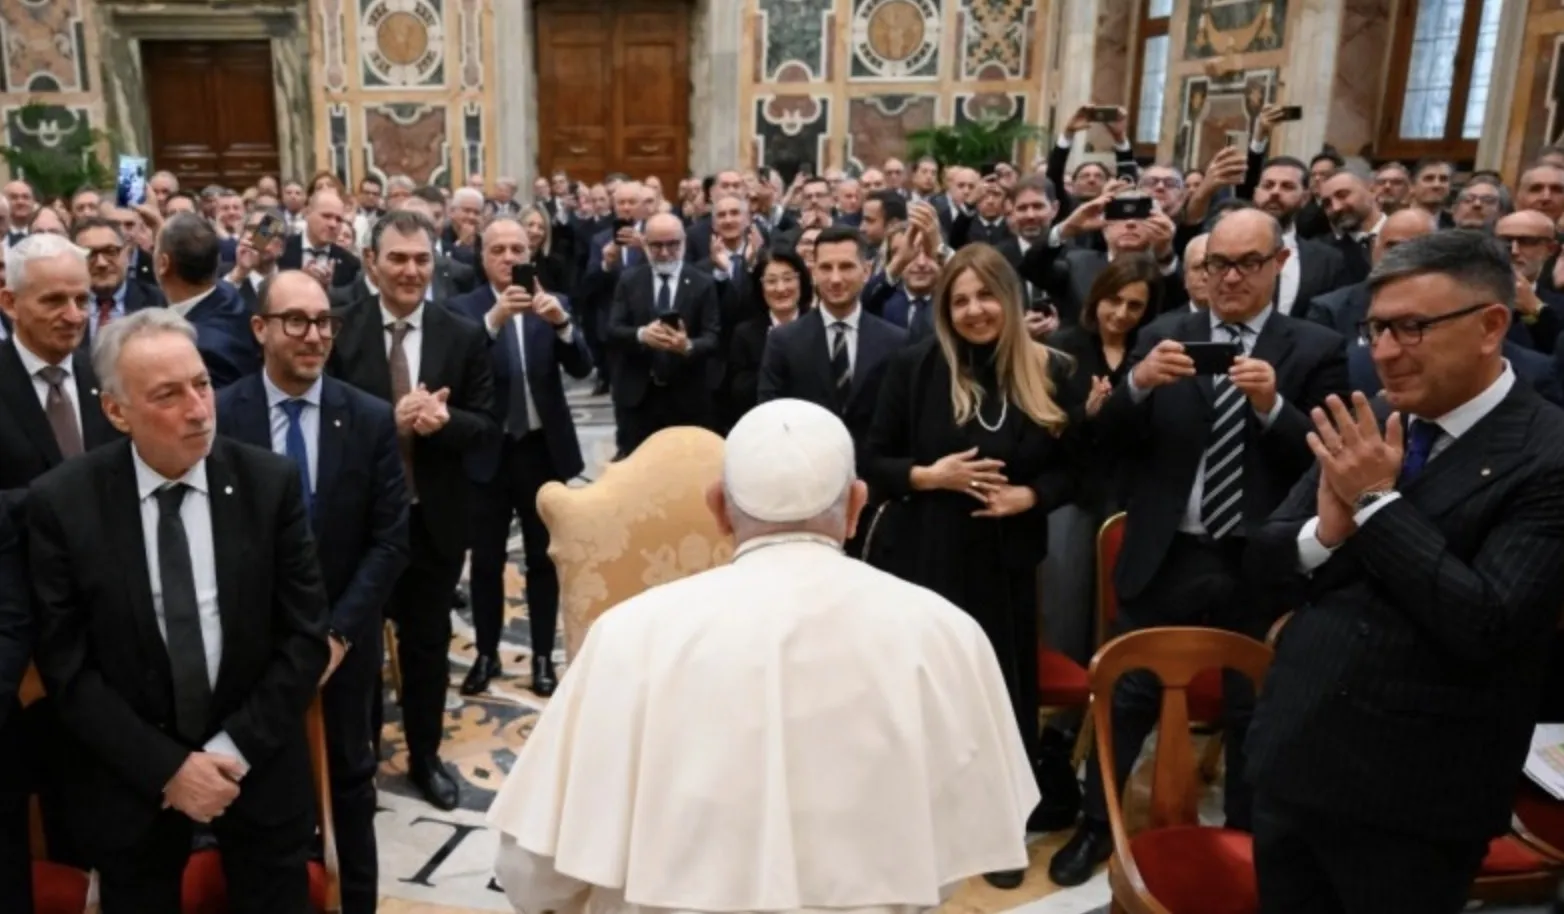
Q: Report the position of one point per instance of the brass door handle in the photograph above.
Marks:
(578, 150)
(186, 166)
(649, 148)
(250, 166)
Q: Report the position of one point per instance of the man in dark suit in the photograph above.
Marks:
(662, 336)
(531, 337)
(16, 651)
(254, 262)
(1066, 273)
(609, 254)
(1209, 457)
(342, 442)
(697, 247)
(1425, 558)
(451, 278)
(1355, 218)
(432, 366)
(315, 250)
(1312, 268)
(915, 263)
(187, 272)
(114, 292)
(182, 635)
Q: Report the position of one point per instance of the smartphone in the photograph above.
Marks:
(269, 229)
(1292, 112)
(1213, 358)
(131, 189)
(672, 319)
(1103, 114)
(1135, 206)
(524, 275)
(622, 224)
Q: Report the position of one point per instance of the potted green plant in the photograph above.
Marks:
(57, 171)
(976, 144)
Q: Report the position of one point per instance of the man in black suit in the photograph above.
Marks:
(432, 366)
(698, 244)
(662, 337)
(1355, 219)
(182, 635)
(16, 651)
(1208, 457)
(315, 250)
(1311, 268)
(1066, 272)
(187, 272)
(1425, 558)
(254, 263)
(342, 443)
(531, 337)
(115, 293)
(451, 278)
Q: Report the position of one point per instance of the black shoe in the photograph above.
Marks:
(1089, 847)
(432, 779)
(543, 679)
(600, 389)
(459, 598)
(483, 669)
(1056, 781)
(1005, 879)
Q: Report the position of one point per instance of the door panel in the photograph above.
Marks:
(213, 110)
(613, 88)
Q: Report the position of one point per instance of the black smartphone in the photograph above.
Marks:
(270, 228)
(524, 275)
(1292, 112)
(1213, 358)
(1104, 114)
(622, 224)
(1135, 206)
(672, 319)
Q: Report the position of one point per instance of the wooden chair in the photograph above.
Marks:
(1176, 865)
(644, 523)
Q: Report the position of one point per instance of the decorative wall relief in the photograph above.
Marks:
(333, 45)
(472, 138)
(792, 130)
(46, 127)
(401, 43)
(339, 143)
(995, 39)
(1213, 112)
(44, 45)
(896, 39)
(407, 139)
(1218, 27)
(795, 35)
(877, 126)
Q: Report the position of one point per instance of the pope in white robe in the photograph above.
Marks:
(795, 731)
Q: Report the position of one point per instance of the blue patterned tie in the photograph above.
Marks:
(297, 452)
(1420, 446)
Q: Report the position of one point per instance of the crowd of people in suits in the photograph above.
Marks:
(1017, 356)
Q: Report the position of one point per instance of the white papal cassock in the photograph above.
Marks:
(796, 731)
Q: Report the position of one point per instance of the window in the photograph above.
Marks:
(1150, 77)
(1441, 68)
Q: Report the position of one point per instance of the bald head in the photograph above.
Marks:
(1402, 226)
(664, 241)
(287, 289)
(1531, 239)
(1244, 258)
(1249, 223)
(1527, 220)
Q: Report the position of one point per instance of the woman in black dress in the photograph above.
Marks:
(969, 439)
(781, 279)
(552, 263)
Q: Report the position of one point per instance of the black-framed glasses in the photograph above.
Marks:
(665, 246)
(298, 326)
(1408, 331)
(1216, 266)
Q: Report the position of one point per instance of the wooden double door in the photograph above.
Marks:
(212, 110)
(614, 88)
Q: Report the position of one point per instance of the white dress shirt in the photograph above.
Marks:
(851, 321)
(412, 342)
(182, 308)
(309, 422)
(564, 332)
(1452, 425)
(32, 364)
(1292, 275)
(195, 512)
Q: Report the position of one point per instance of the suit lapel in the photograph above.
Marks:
(118, 493)
(16, 388)
(228, 531)
(1275, 342)
(364, 351)
(818, 347)
(336, 423)
(95, 426)
(1486, 453)
(431, 366)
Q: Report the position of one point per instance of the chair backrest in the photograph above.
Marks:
(1110, 539)
(644, 523)
(320, 774)
(1175, 656)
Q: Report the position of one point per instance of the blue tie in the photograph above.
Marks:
(1420, 445)
(296, 450)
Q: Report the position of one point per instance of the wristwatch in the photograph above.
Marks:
(1367, 499)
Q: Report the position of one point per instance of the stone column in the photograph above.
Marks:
(1310, 76)
(1507, 53)
(715, 118)
(516, 97)
(1077, 55)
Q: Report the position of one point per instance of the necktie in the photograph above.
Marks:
(401, 386)
(182, 617)
(1221, 501)
(294, 443)
(841, 365)
(57, 408)
(664, 294)
(915, 308)
(1420, 446)
(105, 310)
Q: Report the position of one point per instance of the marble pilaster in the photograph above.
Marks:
(1311, 74)
(1501, 87)
(517, 96)
(714, 83)
(1077, 71)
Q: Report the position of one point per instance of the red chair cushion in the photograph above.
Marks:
(1509, 855)
(58, 889)
(1061, 682)
(1191, 869)
(1205, 697)
(205, 890)
(1542, 815)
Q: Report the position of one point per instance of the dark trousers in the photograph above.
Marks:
(349, 701)
(1309, 862)
(1199, 583)
(265, 866)
(421, 608)
(663, 407)
(16, 875)
(524, 468)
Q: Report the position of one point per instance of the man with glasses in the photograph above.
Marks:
(1480, 203)
(114, 292)
(1209, 456)
(1530, 237)
(343, 442)
(1426, 554)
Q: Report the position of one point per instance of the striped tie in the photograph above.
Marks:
(841, 365)
(1222, 498)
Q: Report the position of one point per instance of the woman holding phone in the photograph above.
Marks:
(552, 265)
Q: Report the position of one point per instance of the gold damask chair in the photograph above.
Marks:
(642, 524)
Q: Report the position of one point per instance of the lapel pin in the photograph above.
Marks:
(94, 391)
(1487, 471)
(228, 490)
(337, 423)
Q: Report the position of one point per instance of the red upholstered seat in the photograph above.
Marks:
(206, 891)
(1061, 682)
(1509, 855)
(1205, 697)
(1542, 815)
(1192, 869)
(58, 889)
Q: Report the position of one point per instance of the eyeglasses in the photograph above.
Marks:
(1479, 200)
(1216, 266)
(1168, 182)
(666, 246)
(109, 251)
(1408, 331)
(1525, 241)
(298, 326)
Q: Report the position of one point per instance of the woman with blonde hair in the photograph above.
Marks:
(553, 264)
(972, 442)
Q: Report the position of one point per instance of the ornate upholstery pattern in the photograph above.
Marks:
(642, 524)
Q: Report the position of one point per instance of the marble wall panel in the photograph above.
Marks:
(44, 44)
(897, 40)
(1358, 85)
(407, 139)
(1111, 58)
(1217, 27)
(995, 39)
(45, 127)
(1537, 103)
(1217, 111)
(792, 131)
(877, 126)
(401, 43)
(795, 35)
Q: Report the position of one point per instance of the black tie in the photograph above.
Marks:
(182, 618)
(664, 294)
(841, 365)
(1222, 497)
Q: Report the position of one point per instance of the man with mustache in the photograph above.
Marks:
(1312, 268)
